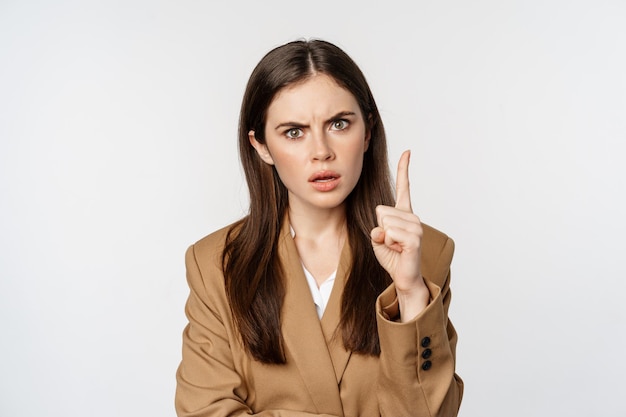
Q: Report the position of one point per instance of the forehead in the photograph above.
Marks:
(319, 95)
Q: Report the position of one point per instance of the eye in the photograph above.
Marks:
(294, 133)
(340, 124)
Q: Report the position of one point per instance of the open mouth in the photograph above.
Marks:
(324, 176)
(325, 180)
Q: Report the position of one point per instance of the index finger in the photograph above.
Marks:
(403, 194)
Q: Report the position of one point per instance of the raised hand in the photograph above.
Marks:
(397, 244)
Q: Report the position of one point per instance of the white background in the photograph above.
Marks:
(118, 150)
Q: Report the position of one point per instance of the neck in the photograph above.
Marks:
(318, 224)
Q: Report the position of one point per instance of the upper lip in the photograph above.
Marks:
(323, 175)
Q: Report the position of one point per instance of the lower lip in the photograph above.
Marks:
(325, 185)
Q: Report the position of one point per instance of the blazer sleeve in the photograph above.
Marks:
(207, 382)
(417, 362)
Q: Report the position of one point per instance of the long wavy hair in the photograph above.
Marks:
(252, 270)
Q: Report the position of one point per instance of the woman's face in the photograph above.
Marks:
(315, 136)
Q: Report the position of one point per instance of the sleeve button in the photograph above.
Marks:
(427, 353)
(427, 365)
(425, 342)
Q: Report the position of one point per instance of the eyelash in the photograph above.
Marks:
(300, 133)
(345, 122)
(294, 129)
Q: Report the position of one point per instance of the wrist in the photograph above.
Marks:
(412, 302)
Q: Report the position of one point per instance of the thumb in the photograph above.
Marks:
(377, 235)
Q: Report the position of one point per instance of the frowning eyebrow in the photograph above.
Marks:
(300, 125)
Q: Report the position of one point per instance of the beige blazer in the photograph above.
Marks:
(414, 375)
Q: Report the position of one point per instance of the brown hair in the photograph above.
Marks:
(253, 273)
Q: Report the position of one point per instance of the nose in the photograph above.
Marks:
(321, 148)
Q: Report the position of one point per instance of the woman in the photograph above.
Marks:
(323, 236)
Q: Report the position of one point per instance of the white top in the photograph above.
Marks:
(322, 294)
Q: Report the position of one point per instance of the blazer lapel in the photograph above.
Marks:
(304, 339)
(332, 315)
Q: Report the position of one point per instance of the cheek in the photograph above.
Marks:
(359, 169)
(287, 165)
(284, 160)
(358, 147)
(356, 152)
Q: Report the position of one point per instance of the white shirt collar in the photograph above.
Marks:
(320, 295)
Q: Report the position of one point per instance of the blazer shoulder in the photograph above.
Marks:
(217, 238)
(435, 239)
(437, 252)
(211, 247)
